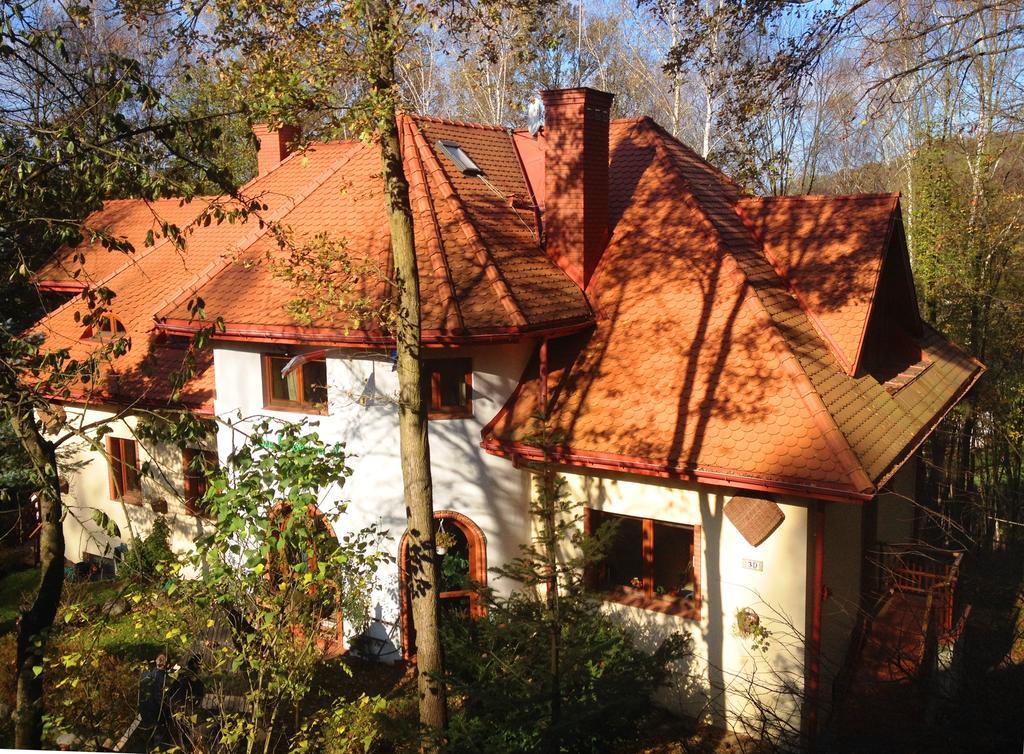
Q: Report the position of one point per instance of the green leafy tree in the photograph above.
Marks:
(546, 669)
(83, 118)
(273, 572)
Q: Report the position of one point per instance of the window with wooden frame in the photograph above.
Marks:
(461, 559)
(304, 389)
(124, 470)
(197, 465)
(108, 326)
(448, 388)
(650, 564)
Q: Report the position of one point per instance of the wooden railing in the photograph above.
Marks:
(920, 569)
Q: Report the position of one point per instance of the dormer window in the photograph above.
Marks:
(108, 326)
(458, 155)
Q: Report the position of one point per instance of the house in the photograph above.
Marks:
(742, 382)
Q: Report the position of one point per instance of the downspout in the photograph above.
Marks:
(544, 378)
(814, 646)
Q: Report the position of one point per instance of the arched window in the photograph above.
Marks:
(319, 545)
(108, 326)
(462, 567)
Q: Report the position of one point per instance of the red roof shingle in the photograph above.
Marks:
(703, 364)
(722, 337)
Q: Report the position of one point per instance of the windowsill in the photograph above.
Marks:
(681, 607)
(457, 413)
(311, 409)
(131, 498)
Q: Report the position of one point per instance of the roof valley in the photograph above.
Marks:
(738, 246)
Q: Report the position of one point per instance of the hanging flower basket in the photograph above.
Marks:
(444, 541)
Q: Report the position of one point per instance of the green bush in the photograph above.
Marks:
(500, 677)
(147, 560)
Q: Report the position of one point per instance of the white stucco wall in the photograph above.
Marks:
(727, 678)
(362, 390)
(87, 471)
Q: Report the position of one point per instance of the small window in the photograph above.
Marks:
(448, 388)
(458, 155)
(198, 465)
(108, 326)
(304, 389)
(124, 470)
(650, 564)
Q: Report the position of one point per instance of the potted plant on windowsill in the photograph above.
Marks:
(444, 541)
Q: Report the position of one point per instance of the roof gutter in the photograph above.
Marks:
(100, 402)
(623, 464)
(329, 337)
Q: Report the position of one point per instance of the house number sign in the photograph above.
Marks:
(753, 565)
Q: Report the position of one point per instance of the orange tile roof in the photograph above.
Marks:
(146, 279)
(484, 274)
(830, 250)
(128, 220)
(483, 271)
(703, 365)
(723, 332)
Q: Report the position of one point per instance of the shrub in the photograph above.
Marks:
(500, 669)
(147, 560)
(546, 670)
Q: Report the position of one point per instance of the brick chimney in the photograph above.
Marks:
(576, 179)
(275, 145)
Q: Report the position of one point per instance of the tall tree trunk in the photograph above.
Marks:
(34, 623)
(412, 419)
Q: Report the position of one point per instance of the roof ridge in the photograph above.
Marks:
(455, 122)
(216, 266)
(419, 194)
(816, 323)
(135, 260)
(824, 197)
(132, 200)
(693, 153)
(130, 261)
(482, 253)
(791, 365)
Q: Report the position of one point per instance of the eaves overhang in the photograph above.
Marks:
(320, 336)
(598, 461)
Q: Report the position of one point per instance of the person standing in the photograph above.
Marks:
(153, 711)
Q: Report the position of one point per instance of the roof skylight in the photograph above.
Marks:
(458, 155)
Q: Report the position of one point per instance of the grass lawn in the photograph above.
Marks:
(105, 651)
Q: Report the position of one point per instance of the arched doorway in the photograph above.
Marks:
(319, 544)
(462, 568)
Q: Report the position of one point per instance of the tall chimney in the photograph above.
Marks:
(576, 179)
(275, 145)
